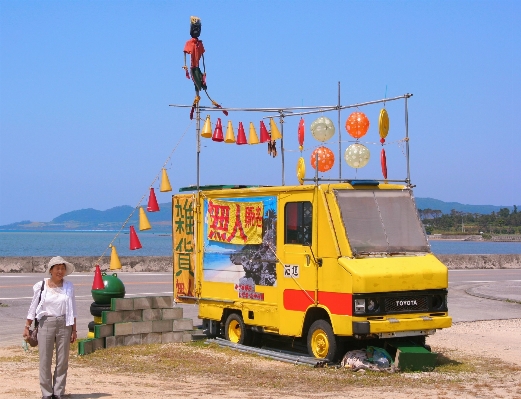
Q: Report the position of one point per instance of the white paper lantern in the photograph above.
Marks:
(357, 155)
(322, 128)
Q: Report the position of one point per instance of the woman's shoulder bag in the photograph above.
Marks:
(33, 334)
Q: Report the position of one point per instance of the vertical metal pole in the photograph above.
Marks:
(407, 139)
(282, 145)
(198, 140)
(339, 139)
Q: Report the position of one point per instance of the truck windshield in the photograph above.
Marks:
(381, 221)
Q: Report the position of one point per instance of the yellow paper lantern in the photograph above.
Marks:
(383, 123)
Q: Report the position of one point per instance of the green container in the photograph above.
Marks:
(114, 288)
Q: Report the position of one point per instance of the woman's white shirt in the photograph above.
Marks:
(55, 302)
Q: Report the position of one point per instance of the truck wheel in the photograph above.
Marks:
(321, 341)
(235, 330)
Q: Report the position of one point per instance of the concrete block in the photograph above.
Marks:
(198, 336)
(103, 330)
(143, 303)
(85, 347)
(111, 317)
(131, 315)
(151, 338)
(159, 302)
(110, 342)
(134, 339)
(409, 358)
(122, 303)
(172, 313)
(183, 325)
(141, 327)
(161, 325)
(151, 314)
(187, 337)
(171, 337)
(98, 343)
(122, 329)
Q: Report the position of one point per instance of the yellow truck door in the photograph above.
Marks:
(298, 281)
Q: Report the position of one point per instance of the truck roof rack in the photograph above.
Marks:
(364, 182)
(215, 187)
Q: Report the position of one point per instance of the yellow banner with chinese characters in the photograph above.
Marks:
(235, 222)
(184, 243)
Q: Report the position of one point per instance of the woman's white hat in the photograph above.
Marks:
(58, 260)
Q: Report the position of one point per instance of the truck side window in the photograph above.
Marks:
(297, 223)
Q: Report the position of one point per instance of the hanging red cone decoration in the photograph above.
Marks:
(134, 240)
(153, 206)
(265, 136)
(97, 284)
(383, 161)
(218, 132)
(241, 135)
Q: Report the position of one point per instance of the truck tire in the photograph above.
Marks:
(322, 342)
(235, 330)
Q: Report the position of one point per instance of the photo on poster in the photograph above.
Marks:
(240, 243)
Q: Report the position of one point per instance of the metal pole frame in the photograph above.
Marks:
(289, 111)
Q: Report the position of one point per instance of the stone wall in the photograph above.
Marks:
(37, 264)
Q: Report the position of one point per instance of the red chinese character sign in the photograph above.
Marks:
(235, 222)
(184, 244)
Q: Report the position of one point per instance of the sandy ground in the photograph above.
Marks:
(499, 341)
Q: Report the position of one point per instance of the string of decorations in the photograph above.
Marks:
(152, 206)
(356, 155)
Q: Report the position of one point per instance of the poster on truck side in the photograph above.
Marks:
(183, 244)
(240, 243)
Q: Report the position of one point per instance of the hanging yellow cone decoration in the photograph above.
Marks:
(115, 264)
(144, 224)
(254, 139)
(165, 183)
(207, 128)
(383, 123)
(230, 135)
(275, 133)
(301, 170)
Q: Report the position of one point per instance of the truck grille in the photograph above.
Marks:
(406, 304)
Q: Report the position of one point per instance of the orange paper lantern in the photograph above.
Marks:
(357, 125)
(326, 159)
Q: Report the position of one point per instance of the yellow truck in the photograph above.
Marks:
(323, 263)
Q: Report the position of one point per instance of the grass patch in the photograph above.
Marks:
(234, 370)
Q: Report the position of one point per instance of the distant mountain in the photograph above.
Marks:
(113, 218)
(446, 207)
(92, 219)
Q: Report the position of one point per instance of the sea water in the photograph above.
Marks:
(95, 243)
(82, 243)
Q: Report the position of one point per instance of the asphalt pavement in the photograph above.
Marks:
(477, 294)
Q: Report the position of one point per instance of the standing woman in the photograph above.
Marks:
(56, 314)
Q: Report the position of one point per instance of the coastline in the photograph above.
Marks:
(37, 264)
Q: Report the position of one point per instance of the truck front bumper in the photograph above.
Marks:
(394, 326)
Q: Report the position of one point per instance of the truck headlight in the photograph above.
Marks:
(359, 305)
(372, 305)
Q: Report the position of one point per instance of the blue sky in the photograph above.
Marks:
(85, 88)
